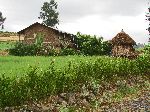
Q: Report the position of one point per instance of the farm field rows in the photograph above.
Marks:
(84, 77)
(10, 38)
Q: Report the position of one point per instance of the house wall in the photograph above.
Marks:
(51, 36)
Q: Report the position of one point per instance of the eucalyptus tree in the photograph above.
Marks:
(49, 13)
(2, 20)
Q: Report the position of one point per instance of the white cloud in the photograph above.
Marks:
(108, 28)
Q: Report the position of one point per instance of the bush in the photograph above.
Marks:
(147, 49)
(92, 45)
(106, 48)
(24, 49)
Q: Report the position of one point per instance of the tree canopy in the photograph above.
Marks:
(2, 19)
(49, 13)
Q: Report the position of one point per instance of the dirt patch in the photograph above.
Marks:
(4, 53)
(11, 38)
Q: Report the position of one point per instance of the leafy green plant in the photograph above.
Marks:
(147, 49)
(92, 45)
(24, 49)
(39, 40)
(6, 45)
(37, 85)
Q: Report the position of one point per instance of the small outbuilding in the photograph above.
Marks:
(122, 46)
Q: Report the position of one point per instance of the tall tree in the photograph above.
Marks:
(2, 19)
(49, 13)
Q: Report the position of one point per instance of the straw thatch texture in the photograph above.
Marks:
(122, 46)
(122, 38)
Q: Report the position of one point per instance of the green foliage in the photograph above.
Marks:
(125, 89)
(49, 14)
(106, 48)
(6, 45)
(34, 85)
(68, 51)
(23, 49)
(39, 40)
(147, 49)
(92, 45)
(18, 65)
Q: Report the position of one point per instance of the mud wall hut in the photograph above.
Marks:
(122, 46)
(51, 37)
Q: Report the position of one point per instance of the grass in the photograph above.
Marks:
(6, 45)
(19, 65)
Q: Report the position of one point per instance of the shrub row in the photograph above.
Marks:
(34, 85)
(23, 49)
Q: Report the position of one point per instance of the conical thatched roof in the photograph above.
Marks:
(122, 39)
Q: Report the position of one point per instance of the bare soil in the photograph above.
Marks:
(11, 38)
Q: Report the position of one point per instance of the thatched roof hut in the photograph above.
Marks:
(122, 46)
(122, 38)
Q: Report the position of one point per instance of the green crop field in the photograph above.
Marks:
(6, 45)
(69, 74)
(17, 66)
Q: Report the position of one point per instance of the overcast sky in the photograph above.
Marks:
(103, 18)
